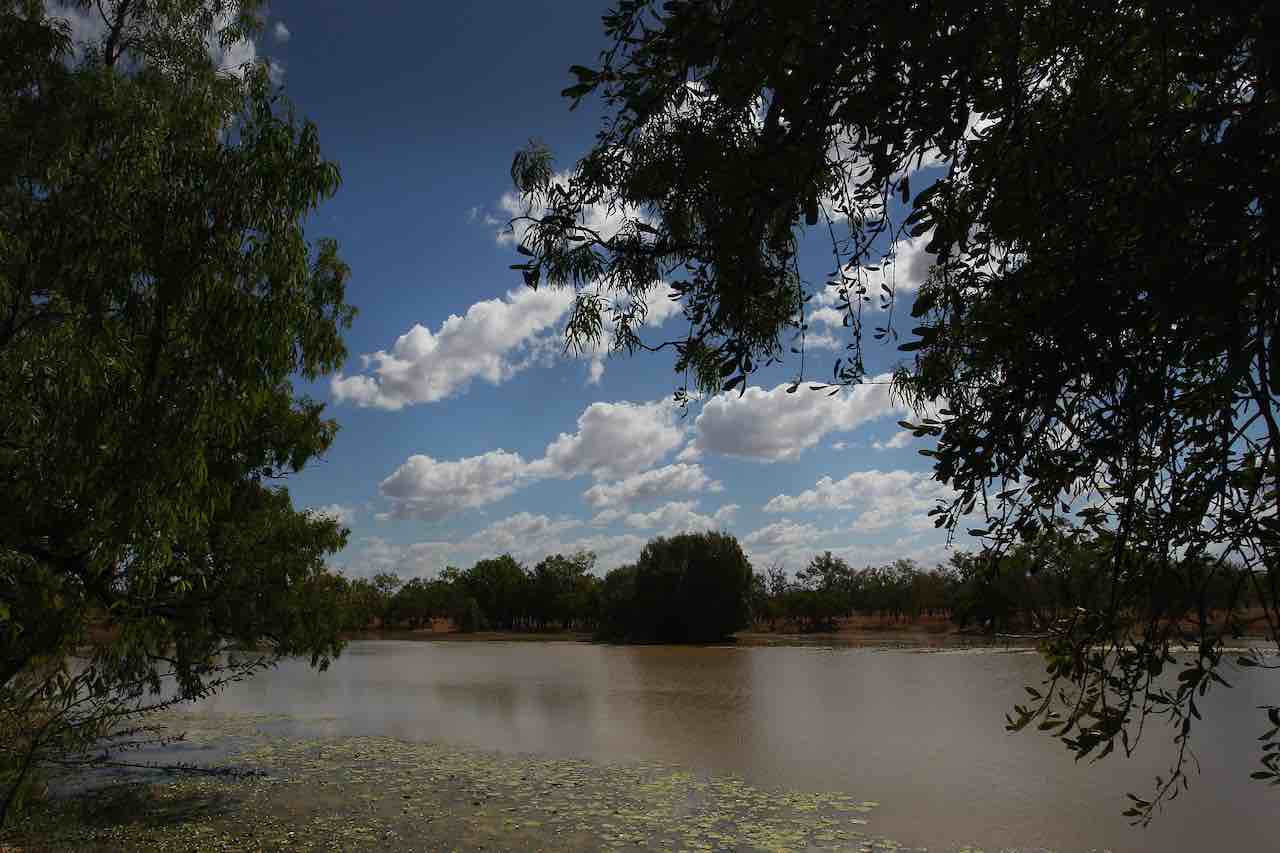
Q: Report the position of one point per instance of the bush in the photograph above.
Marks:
(691, 588)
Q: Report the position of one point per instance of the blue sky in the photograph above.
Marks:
(465, 431)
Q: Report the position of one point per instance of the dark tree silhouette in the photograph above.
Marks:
(1097, 339)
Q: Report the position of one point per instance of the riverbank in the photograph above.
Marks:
(379, 793)
(927, 633)
(935, 632)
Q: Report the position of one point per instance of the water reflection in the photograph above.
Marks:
(921, 733)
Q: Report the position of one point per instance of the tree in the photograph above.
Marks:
(690, 588)
(619, 618)
(1097, 339)
(157, 294)
(500, 588)
(558, 589)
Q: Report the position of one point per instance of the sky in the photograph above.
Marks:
(466, 430)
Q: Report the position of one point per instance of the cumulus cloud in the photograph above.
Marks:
(605, 517)
(792, 545)
(924, 552)
(426, 489)
(669, 480)
(659, 307)
(785, 532)
(901, 438)
(681, 517)
(904, 269)
(773, 425)
(373, 554)
(493, 341)
(280, 32)
(613, 441)
(525, 536)
(883, 499)
(785, 543)
(344, 515)
(611, 550)
(690, 453)
(601, 218)
(522, 532)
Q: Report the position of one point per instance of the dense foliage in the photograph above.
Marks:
(1096, 182)
(157, 293)
(559, 593)
(689, 588)
(694, 587)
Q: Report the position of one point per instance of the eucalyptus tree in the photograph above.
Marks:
(158, 294)
(1097, 338)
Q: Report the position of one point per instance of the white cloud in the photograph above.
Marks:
(792, 545)
(608, 516)
(681, 517)
(428, 490)
(611, 550)
(486, 343)
(647, 485)
(884, 498)
(785, 532)
(521, 532)
(493, 341)
(785, 543)
(773, 425)
(690, 453)
(659, 307)
(600, 218)
(605, 220)
(904, 270)
(613, 441)
(373, 554)
(907, 268)
(901, 438)
(280, 32)
(344, 515)
(478, 214)
(526, 537)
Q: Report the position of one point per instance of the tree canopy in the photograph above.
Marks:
(158, 294)
(688, 588)
(1097, 337)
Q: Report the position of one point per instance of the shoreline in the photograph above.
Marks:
(887, 639)
(877, 636)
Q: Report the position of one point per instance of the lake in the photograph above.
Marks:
(921, 733)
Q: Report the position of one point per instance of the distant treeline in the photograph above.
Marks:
(700, 587)
(688, 588)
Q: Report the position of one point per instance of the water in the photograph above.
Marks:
(922, 733)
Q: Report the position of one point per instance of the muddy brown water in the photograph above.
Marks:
(922, 733)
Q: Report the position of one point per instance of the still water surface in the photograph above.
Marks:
(922, 733)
